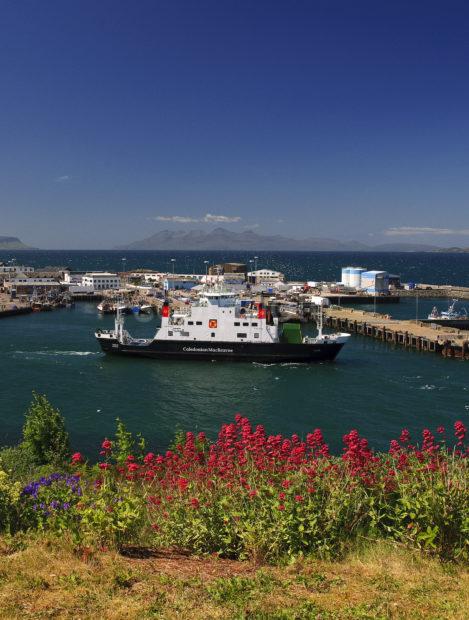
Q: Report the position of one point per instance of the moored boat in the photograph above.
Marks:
(218, 327)
(450, 317)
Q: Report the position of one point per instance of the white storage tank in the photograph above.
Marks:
(345, 279)
(355, 278)
(352, 276)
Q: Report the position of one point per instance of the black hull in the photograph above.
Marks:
(232, 351)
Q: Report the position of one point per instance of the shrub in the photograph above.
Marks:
(9, 500)
(44, 435)
(111, 514)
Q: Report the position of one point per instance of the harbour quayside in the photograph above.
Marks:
(219, 327)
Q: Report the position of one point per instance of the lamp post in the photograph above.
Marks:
(206, 262)
(173, 260)
(416, 303)
(255, 263)
(124, 262)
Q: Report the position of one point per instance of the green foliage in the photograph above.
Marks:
(18, 462)
(44, 435)
(9, 503)
(111, 514)
(124, 442)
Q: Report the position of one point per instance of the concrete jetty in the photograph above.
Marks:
(412, 334)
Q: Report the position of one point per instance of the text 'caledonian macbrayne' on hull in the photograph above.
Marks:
(218, 326)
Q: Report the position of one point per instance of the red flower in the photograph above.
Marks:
(299, 498)
(281, 507)
(195, 503)
(182, 483)
(281, 496)
(460, 432)
(104, 466)
(77, 458)
(253, 493)
(106, 445)
(286, 484)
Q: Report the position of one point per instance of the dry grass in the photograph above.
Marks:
(45, 579)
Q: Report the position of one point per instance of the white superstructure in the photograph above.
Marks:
(217, 317)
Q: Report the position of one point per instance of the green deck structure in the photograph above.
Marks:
(292, 333)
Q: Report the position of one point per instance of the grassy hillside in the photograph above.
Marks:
(47, 579)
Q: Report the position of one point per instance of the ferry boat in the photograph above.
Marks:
(450, 317)
(218, 327)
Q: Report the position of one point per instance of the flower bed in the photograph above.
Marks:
(250, 494)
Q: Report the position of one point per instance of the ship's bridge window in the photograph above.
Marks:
(245, 324)
(254, 324)
(190, 322)
(242, 335)
(198, 322)
(237, 323)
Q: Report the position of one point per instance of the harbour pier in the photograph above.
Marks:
(410, 334)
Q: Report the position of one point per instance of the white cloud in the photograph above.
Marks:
(179, 219)
(209, 217)
(63, 178)
(407, 231)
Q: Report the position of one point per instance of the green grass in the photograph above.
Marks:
(45, 577)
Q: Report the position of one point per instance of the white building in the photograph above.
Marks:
(13, 269)
(265, 276)
(101, 281)
(22, 285)
(374, 282)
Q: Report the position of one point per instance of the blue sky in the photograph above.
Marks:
(301, 117)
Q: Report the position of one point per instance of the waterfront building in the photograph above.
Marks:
(101, 281)
(14, 269)
(225, 268)
(22, 285)
(265, 277)
(374, 282)
(181, 282)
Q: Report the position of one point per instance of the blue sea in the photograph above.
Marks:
(372, 386)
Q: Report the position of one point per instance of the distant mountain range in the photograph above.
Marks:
(222, 239)
(13, 243)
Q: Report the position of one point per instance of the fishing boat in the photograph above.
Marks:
(450, 317)
(218, 327)
(110, 307)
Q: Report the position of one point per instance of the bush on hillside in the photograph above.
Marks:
(45, 437)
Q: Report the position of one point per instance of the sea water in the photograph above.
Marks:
(373, 386)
